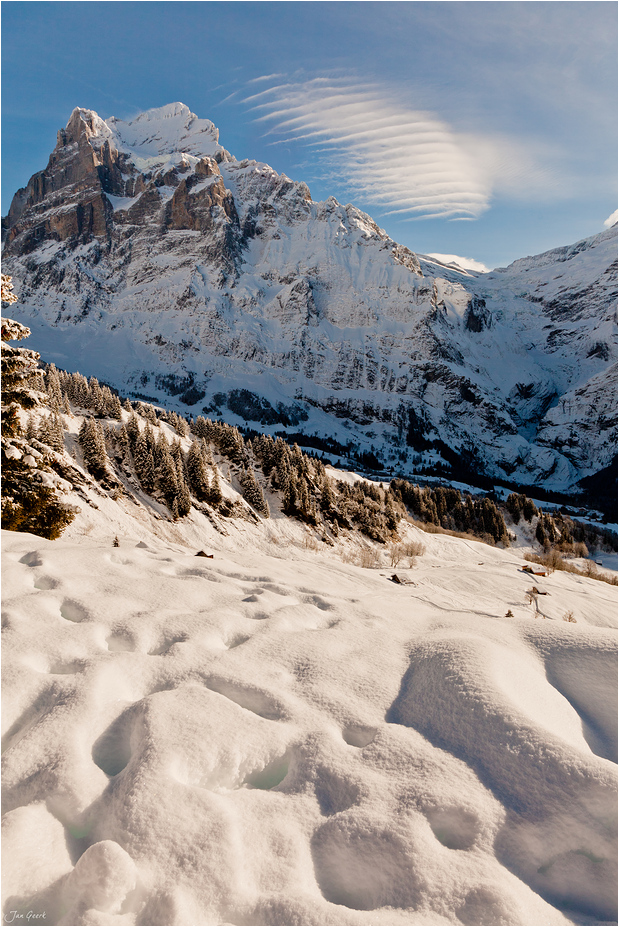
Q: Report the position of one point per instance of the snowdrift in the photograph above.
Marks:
(274, 736)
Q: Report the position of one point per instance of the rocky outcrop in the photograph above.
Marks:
(195, 205)
(477, 317)
(198, 266)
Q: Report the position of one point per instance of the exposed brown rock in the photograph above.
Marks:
(69, 199)
(190, 210)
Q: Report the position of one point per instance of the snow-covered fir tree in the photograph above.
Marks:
(30, 501)
(93, 448)
(252, 492)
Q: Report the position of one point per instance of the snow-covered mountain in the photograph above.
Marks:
(147, 255)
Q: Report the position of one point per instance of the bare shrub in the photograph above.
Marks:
(554, 561)
(414, 549)
(569, 616)
(396, 552)
(368, 558)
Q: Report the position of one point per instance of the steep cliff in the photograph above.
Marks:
(147, 255)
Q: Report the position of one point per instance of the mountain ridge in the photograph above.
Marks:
(163, 265)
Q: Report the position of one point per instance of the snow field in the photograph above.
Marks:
(276, 737)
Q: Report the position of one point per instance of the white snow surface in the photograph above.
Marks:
(276, 736)
(164, 135)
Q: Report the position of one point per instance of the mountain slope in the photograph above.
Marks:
(147, 255)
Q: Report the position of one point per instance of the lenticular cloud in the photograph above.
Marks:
(408, 161)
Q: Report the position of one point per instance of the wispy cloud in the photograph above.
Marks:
(408, 161)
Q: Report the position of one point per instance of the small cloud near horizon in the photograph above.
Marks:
(611, 219)
(464, 262)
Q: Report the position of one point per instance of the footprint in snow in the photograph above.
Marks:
(364, 865)
(356, 735)
(318, 602)
(334, 793)
(46, 583)
(456, 828)
(111, 752)
(119, 643)
(32, 559)
(236, 640)
(250, 699)
(73, 611)
(166, 645)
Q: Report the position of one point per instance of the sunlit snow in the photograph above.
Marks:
(276, 736)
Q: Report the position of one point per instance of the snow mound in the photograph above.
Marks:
(273, 736)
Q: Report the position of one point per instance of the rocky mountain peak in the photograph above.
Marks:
(171, 130)
(196, 273)
(84, 122)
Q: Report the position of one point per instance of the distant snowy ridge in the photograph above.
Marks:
(147, 255)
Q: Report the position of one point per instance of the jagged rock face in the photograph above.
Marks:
(145, 250)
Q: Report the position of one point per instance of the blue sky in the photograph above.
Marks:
(480, 129)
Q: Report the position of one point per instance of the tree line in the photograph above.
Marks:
(122, 437)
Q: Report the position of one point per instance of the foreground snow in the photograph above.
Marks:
(274, 736)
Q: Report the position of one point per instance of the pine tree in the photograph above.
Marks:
(196, 473)
(52, 432)
(31, 428)
(167, 480)
(22, 385)
(52, 385)
(182, 426)
(133, 429)
(144, 464)
(183, 500)
(122, 440)
(391, 516)
(96, 398)
(252, 493)
(29, 502)
(207, 454)
(114, 408)
(327, 499)
(93, 448)
(215, 494)
(291, 495)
